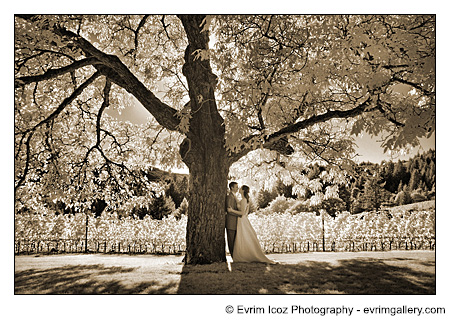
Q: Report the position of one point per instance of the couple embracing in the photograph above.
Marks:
(242, 240)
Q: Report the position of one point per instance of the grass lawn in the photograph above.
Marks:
(368, 273)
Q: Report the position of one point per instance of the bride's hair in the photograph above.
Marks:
(246, 191)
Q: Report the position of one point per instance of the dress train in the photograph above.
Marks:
(246, 246)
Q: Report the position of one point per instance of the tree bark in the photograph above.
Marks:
(205, 232)
(204, 153)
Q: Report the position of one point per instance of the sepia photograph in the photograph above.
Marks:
(227, 156)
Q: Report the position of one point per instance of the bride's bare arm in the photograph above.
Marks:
(238, 213)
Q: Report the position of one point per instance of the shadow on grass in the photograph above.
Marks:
(352, 276)
(356, 276)
(83, 279)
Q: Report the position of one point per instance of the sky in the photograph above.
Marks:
(368, 148)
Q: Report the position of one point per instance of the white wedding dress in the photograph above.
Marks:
(246, 244)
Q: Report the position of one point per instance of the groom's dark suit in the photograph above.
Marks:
(231, 220)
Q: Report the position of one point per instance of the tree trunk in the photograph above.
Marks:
(323, 230)
(204, 153)
(205, 232)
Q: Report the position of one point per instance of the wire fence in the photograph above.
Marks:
(353, 245)
(79, 246)
(345, 245)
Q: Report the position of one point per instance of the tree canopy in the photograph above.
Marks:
(276, 76)
(263, 87)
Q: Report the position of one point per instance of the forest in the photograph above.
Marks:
(373, 186)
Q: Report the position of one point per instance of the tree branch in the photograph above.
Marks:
(97, 146)
(277, 141)
(105, 104)
(27, 163)
(65, 102)
(385, 114)
(332, 114)
(414, 85)
(136, 36)
(113, 68)
(136, 33)
(53, 73)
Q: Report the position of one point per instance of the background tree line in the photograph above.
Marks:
(371, 185)
(171, 198)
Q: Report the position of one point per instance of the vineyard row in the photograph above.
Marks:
(277, 232)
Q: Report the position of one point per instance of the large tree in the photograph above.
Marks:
(296, 86)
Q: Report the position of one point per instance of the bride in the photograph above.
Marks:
(246, 246)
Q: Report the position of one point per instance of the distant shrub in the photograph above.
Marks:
(182, 210)
(161, 207)
(402, 198)
(265, 197)
(280, 204)
(299, 206)
(333, 206)
(417, 197)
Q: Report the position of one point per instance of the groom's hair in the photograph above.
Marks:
(232, 184)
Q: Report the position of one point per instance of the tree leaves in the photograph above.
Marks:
(337, 60)
(273, 72)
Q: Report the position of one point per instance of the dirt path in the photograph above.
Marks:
(395, 272)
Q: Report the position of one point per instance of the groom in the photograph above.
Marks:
(231, 207)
